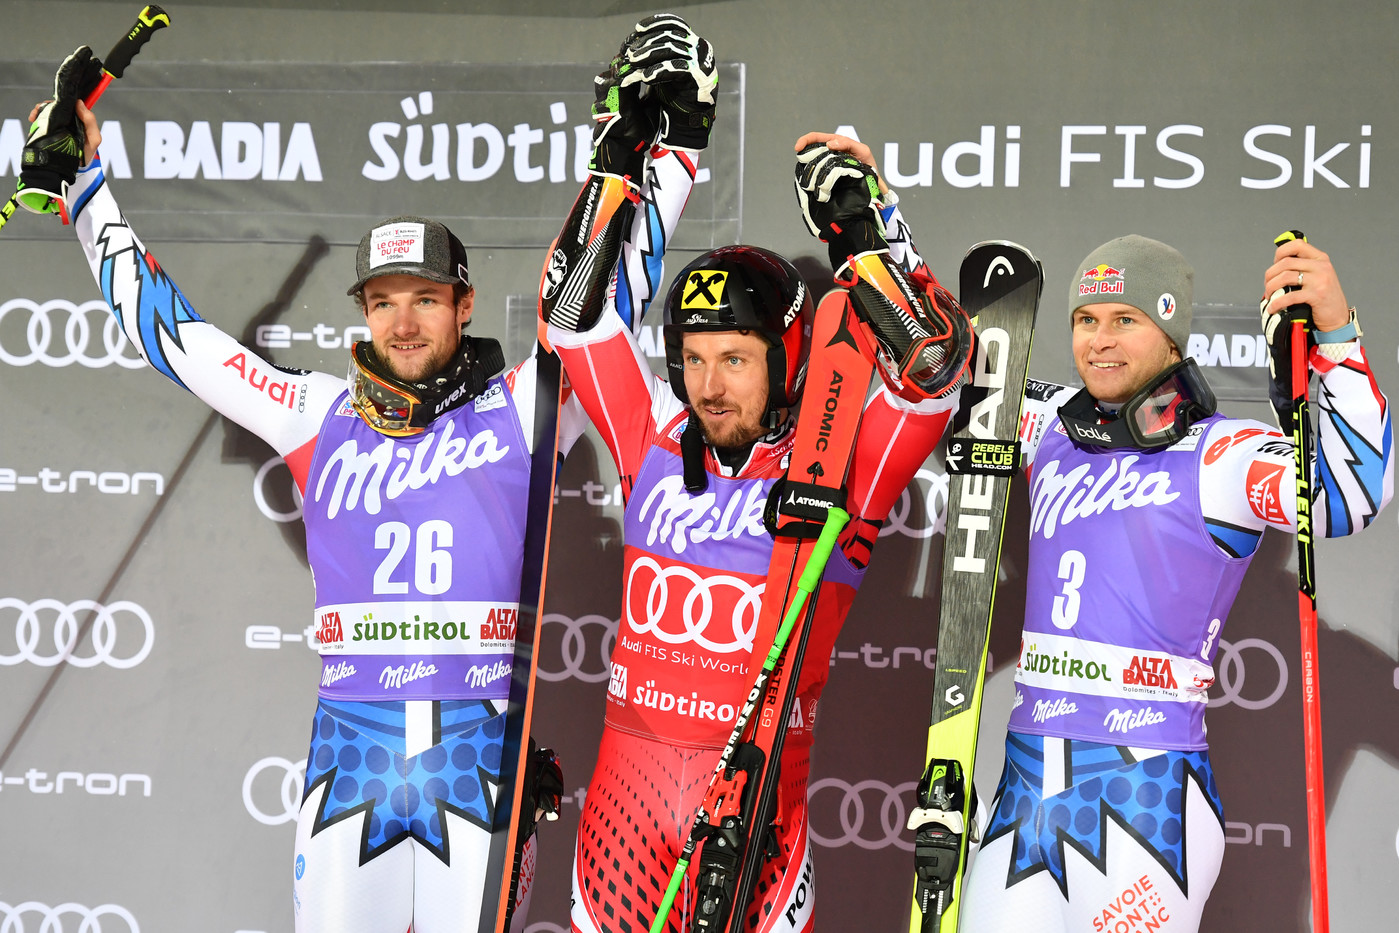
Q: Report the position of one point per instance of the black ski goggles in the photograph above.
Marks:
(1157, 416)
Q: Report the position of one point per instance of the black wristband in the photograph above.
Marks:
(622, 157)
(860, 235)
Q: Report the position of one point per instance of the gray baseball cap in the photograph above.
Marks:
(410, 246)
(1147, 274)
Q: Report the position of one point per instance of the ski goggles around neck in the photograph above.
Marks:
(1159, 415)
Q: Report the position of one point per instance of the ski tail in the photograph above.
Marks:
(1000, 288)
(508, 820)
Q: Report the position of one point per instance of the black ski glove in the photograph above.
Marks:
(625, 124)
(53, 153)
(679, 73)
(1277, 328)
(839, 199)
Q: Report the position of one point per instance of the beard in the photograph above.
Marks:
(740, 429)
(418, 370)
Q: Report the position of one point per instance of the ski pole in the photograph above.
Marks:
(836, 519)
(148, 21)
(1300, 316)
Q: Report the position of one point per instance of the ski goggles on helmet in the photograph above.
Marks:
(1159, 415)
(385, 404)
(939, 348)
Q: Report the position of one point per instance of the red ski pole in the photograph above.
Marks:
(1300, 316)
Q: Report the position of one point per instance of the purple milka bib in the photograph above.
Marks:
(415, 545)
(1126, 596)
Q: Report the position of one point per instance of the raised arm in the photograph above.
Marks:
(1247, 474)
(283, 406)
(654, 109)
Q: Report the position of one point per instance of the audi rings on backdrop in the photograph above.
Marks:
(871, 814)
(31, 646)
(1229, 673)
(66, 341)
(577, 659)
(50, 919)
(260, 493)
(292, 776)
(934, 508)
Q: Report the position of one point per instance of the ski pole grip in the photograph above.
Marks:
(150, 19)
(836, 519)
(1298, 313)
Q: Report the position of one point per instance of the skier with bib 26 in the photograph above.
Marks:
(404, 472)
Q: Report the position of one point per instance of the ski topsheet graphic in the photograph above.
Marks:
(806, 509)
(1000, 288)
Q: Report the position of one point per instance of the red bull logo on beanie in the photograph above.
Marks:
(1102, 279)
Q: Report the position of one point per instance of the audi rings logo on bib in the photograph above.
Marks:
(35, 917)
(1271, 674)
(60, 333)
(869, 814)
(46, 633)
(584, 646)
(676, 605)
(272, 790)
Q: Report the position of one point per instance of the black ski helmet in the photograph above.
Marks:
(743, 288)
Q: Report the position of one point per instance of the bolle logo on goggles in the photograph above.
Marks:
(1090, 433)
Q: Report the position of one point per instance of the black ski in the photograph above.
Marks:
(503, 866)
(1000, 289)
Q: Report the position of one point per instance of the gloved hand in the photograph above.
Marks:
(625, 125)
(1277, 329)
(53, 153)
(839, 199)
(677, 71)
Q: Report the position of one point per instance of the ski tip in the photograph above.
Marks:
(1000, 245)
(993, 269)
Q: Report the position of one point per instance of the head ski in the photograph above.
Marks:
(1000, 288)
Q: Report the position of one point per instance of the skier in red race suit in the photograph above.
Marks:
(698, 456)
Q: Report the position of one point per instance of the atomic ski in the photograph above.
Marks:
(1000, 290)
(733, 822)
(509, 826)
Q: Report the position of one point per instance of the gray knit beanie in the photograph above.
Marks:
(1146, 274)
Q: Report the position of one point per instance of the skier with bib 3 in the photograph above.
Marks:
(1146, 508)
